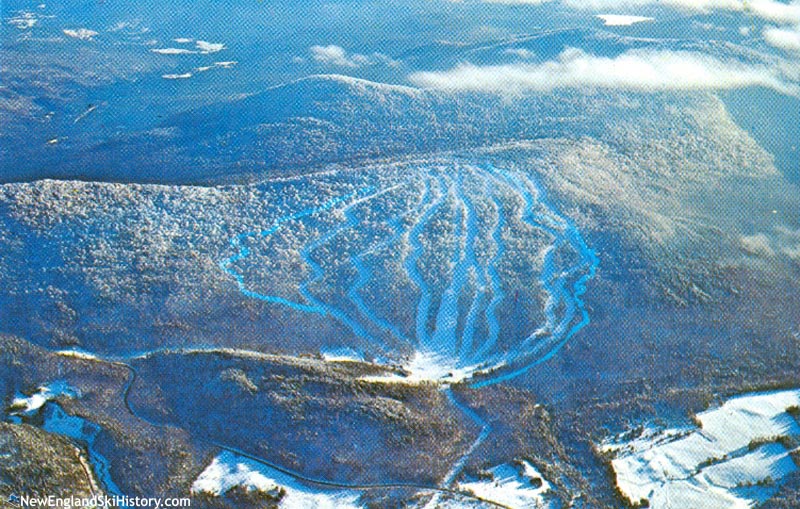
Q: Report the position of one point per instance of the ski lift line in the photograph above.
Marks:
(85, 113)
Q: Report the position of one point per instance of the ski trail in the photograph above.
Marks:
(556, 296)
(444, 336)
(55, 420)
(589, 263)
(553, 287)
(243, 252)
(468, 334)
(496, 285)
(555, 284)
(318, 272)
(364, 274)
(424, 304)
(456, 324)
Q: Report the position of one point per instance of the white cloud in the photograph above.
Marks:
(384, 59)
(640, 70)
(772, 10)
(786, 39)
(216, 65)
(24, 20)
(121, 25)
(512, 2)
(129, 27)
(83, 34)
(201, 47)
(338, 56)
(332, 55)
(621, 20)
(172, 51)
(209, 47)
(183, 76)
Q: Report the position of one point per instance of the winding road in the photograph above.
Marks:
(126, 393)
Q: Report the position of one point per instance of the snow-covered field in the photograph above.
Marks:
(229, 470)
(735, 459)
(521, 487)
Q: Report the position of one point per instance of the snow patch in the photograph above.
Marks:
(431, 366)
(77, 428)
(28, 405)
(229, 470)
(428, 367)
(78, 354)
